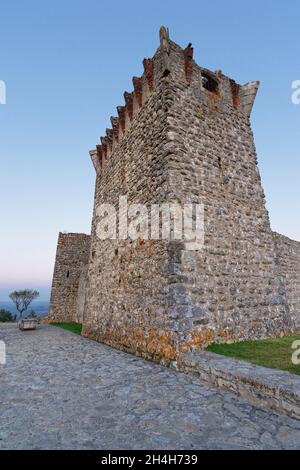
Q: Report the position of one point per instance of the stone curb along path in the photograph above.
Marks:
(267, 388)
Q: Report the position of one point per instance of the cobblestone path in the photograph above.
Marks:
(61, 391)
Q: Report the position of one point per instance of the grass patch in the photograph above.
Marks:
(74, 327)
(275, 353)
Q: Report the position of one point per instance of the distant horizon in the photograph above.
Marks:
(40, 307)
(43, 290)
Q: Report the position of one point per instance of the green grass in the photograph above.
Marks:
(274, 353)
(74, 327)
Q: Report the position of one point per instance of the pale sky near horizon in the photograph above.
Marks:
(66, 65)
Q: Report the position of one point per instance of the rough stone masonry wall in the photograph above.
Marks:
(69, 278)
(231, 290)
(127, 280)
(288, 266)
(176, 141)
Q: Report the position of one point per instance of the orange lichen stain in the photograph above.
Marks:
(156, 344)
(222, 333)
(166, 346)
(287, 333)
(197, 340)
(140, 243)
(153, 344)
(149, 248)
(226, 336)
(253, 325)
(213, 97)
(152, 341)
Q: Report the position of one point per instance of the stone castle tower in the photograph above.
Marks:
(183, 136)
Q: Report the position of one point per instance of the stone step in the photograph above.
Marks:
(267, 388)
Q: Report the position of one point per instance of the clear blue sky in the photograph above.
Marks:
(66, 65)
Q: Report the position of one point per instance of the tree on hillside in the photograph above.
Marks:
(23, 298)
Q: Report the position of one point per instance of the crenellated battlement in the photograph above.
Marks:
(142, 87)
(170, 60)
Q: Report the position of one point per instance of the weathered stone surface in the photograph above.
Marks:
(69, 278)
(61, 391)
(268, 388)
(184, 136)
(288, 266)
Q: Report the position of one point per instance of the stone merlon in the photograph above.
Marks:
(242, 97)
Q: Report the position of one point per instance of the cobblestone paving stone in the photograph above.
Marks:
(61, 391)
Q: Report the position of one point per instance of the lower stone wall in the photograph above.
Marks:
(288, 266)
(126, 298)
(265, 388)
(69, 279)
